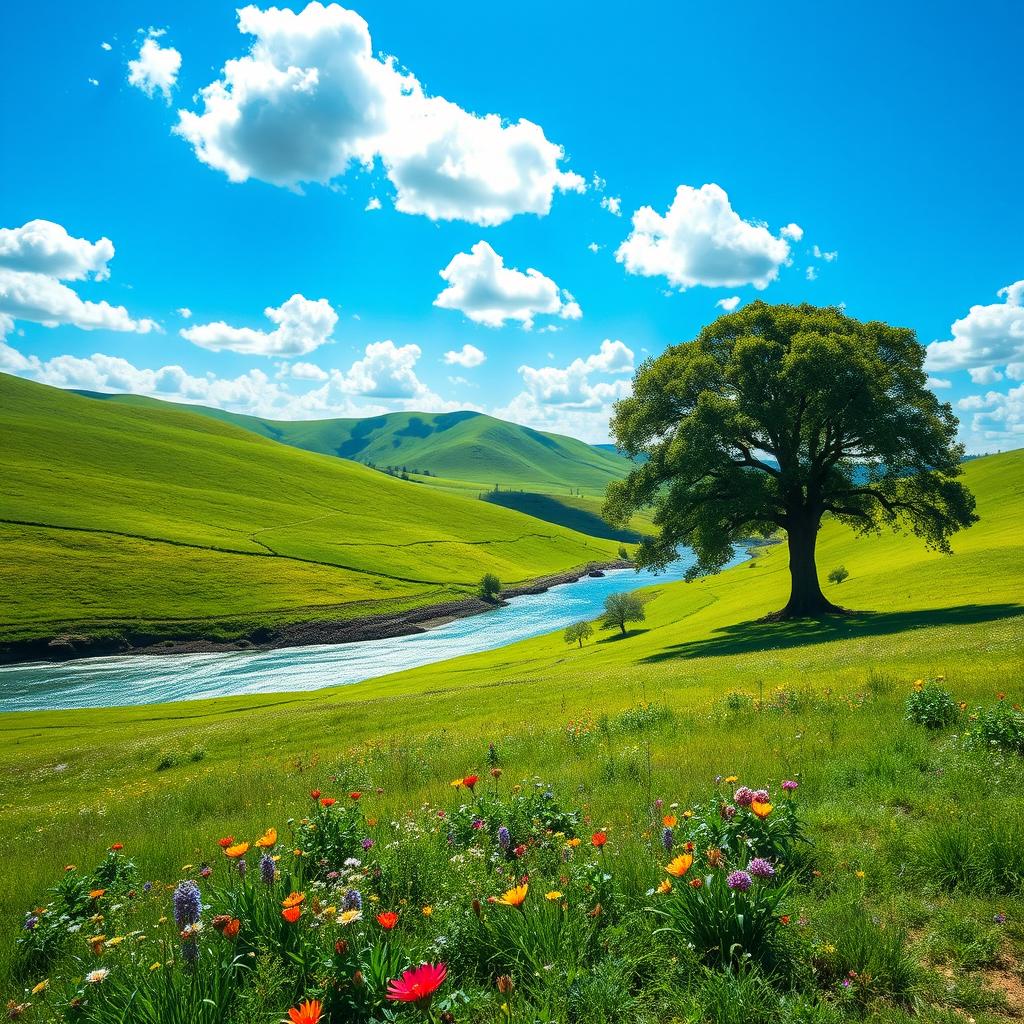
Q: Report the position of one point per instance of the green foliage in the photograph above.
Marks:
(489, 587)
(578, 632)
(931, 706)
(620, 609)
(838, 575)
(997, 728)
(329, 836)
(983, 853)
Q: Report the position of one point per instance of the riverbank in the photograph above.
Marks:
(68, 646)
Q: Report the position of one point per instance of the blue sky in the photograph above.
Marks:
(869, 155)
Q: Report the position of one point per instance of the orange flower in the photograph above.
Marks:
(268, 839)
(696, 883)
(117, 846)
(226, 842)
(236, 851)
(680, 865)
(95, 894)
(762, 810)
(599, 839)
(315, 794)
(355, 795)
(470, 781)
(514, 897)
(387, 919)
(231, 928)
(715, 857)
(293, 900)
(305, 1013)
(664, 886)
(328, 801)
(291, 914)
(670, 821)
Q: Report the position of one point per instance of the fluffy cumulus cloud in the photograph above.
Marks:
(701, 240)
(728, 304)
(792, 231)
(311, 98)
(468, 356)
(988, 342)
(993, 421)
(156, 67)
(613, 204)
(302, 326)
(36, 259)
(489, 293)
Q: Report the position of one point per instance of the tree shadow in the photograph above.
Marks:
(618, 636)
(744, 637)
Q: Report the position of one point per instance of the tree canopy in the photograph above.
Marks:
(620, 609)
(775, 416)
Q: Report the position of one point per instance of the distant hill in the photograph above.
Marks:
(456, 445)
(152, 517)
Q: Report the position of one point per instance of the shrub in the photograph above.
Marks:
(983, 855)
(997, 728)
(490, 587)
(578, 632)
(624, 553)
(931, 706)
(838, 575)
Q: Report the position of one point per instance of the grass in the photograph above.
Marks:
(156, 518)
(701, 689)
(462, 446)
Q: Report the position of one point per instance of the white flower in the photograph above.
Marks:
(95, 977)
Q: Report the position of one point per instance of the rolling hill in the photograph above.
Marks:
(465, 446)
(153, 518)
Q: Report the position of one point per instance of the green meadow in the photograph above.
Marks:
(906, 902)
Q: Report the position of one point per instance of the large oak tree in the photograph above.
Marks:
(771, 419)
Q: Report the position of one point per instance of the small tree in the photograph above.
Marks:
(620, 609)
(623, 553)
(490, 587)
(578, 632)
(838, 574)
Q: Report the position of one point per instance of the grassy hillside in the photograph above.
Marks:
(900, 819)
(465, 446)
(156, 517)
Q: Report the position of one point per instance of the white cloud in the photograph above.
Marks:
(792, 231)
(156, 67)
(468, 356)
(571, 385)
(310, 98)
(105, 46)
(594, 247)
(987, 338)
(185, 313)
(701, 240)
(373, 204)
(489, 293)
(812, 274)
(302, 326)
(728, 304)
(828, 257)
(306, 371)
(386, 370)
(43, 247)
(613, 204)
(93, 81)
(939, 383)
(996, 421)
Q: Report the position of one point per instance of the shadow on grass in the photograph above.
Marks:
(618, 636)
(744, 637)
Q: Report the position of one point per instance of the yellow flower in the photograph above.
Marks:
(455, 783)
(859, 874)
(155, 966)
(730, 779)
(427, 911)
(514, 897)
(553, 895)
(573, 842)
(115, 941)
(665, 886)
(687, 814)
(350, 917)
(918, 685)
(680, 865)
(268, 839)
(670, 821)
(41, 987)
(762, 810)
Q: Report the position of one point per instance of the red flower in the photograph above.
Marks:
(308, 1012)
(599, 839)
(226, 842)
(520, 850)
(387, 919)
(328, 801)
(356, 795)
(291, 914)
(470, 781)
(417, 985)
(315, 794)
(231, 928)
(117, 846)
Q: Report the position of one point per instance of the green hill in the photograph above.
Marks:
(466, 446)
(154, 518)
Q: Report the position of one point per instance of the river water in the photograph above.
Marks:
(158, 678)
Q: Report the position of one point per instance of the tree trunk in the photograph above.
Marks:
(581, 642)
(622, 626)
(805, 597)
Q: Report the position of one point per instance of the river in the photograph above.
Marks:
(158, 678)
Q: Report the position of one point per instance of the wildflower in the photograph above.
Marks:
(664, 886)
(367, 844)
(761, 796)
(504, 838)
(730, 779)
(226, 842)
(230, 930)
(670, 821)
(268, 839)
(761, 808)
(680, 865)
(520, 850)
(188, 903)
(347, 917)
(293, 900)
(715, 857)
(553, 895)
(761, 868)
(268, 869)
(305, 1013)
(999, 918)
(242, 867)
(205, 871)
(784, 919)
(236, 851)
(427, 911)
(743, 796)
(314, 794)
(789, 785)
(352, 900)
(667, 839)
(291, 914)
(727, 811)
(739, 880)
(505, 984)
(95, 894)
(598, 839)
(41, 987)
(514, 897)
(495, 773)
(696, 883)
(417, 985)
(97, 976)
(387, 919)
(858, 874)
(116, 847)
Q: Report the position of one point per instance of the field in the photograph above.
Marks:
(906, 903)
(169, 523)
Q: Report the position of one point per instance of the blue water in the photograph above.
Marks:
(154, 679)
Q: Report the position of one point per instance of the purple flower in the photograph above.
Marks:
(999, 918)
(242, 866)
(190, 951)
(761, 868)
(739, 880)
(667, 839)
(504, 838)
(743, 797)
(147, 886)
(30, 922)
(658, 804)
(727, 811)
(188, 903)
(789, 785)
(762, 796)
(205, 871)
(367, 843)
(268, 869)
(352, 900)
